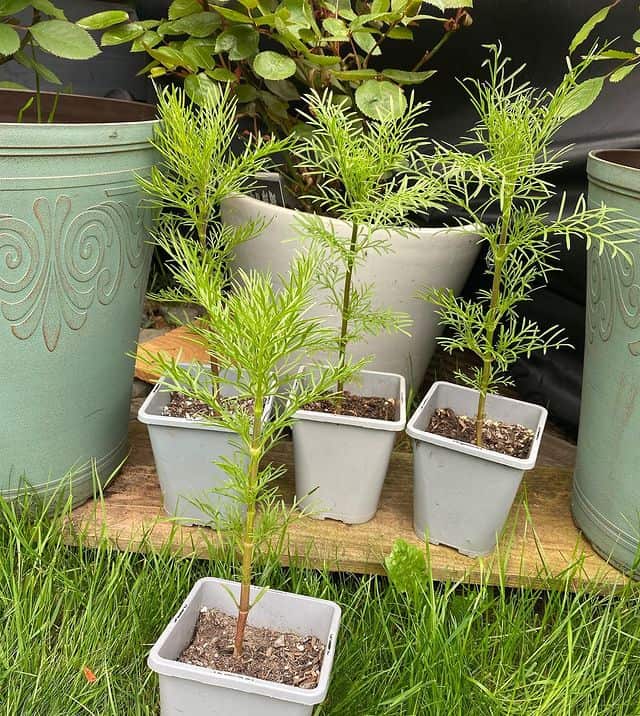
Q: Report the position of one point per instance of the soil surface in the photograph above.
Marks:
(181, 406)
(359, 406)
(271, 655)
(513, 440)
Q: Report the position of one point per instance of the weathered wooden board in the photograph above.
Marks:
(540, 539)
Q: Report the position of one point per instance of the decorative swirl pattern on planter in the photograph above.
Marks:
(52, 272)
(613, 289)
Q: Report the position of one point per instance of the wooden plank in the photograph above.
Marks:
(539, 541)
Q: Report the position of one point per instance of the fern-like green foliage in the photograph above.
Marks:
(504, 166)
(256, 336)
(366, 176)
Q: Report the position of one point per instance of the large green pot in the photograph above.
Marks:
(74, 262)
(606, 487)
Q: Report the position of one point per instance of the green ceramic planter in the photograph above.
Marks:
(74, 262)
(606, 488)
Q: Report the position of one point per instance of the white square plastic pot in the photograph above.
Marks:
(462, 494)
(341, 461)
(188, 690)
(186, 452)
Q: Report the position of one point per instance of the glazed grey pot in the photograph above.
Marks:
(74, 262)
(606, 485)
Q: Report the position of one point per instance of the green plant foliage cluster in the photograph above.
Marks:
(273, 51)
(29, 24)
(504, 167)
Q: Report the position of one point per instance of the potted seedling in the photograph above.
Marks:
(233, 648)
(342, 446)
(196, 170)
(471, 446)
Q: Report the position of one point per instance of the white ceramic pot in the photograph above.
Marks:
(197, 691)
(341, 461)
(431, 257)
(462, 493)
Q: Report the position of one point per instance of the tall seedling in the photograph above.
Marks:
(196, 172)
(507, 170)
(364, 175)
(259, 335)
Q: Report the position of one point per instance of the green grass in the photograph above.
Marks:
(449, 650)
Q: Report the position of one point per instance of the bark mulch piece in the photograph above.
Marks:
(359, 406)
(271, 655)
(181, 406)
(513, 440)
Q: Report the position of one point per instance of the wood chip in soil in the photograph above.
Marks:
(513, 440)
(359, 406)
(181, 406)
(271, 655)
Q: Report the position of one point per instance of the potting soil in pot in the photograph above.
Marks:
(181, 406)
(359, 406)
(284, 658)
(514, 440)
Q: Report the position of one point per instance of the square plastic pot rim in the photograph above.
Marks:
(416, 433)
(373, 423)
(239, 682)
(149, 418)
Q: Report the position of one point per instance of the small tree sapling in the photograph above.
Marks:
(504, 165)
(366, 176)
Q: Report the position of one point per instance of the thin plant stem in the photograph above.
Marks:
(346, 302)
(248, 538)
(492, 322)
(430, 53)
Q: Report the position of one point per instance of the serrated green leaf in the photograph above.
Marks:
(404, 77)
(636, 36)
(44, 72)
(615, 55)
(11, 7)
(336, 27)
(120, 34)
(48, 8)
(355, 75)
(322, 60)
(64, 39)
(181, 8)
(246, 93)
(171, 58)
(284, 89)
(9, 40)
(378, 6)
(200, 88)
(222, 74)
(233, 15)
(581, 97)
(273, 66)
(146, 41)
(588, 27)
(200, 24)
(380, 100)
(200, 52)
(406, 566)
(366, 42)
(239, 42)
(622, 72)
(400, 33)
(157, 71)
(102, 20)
